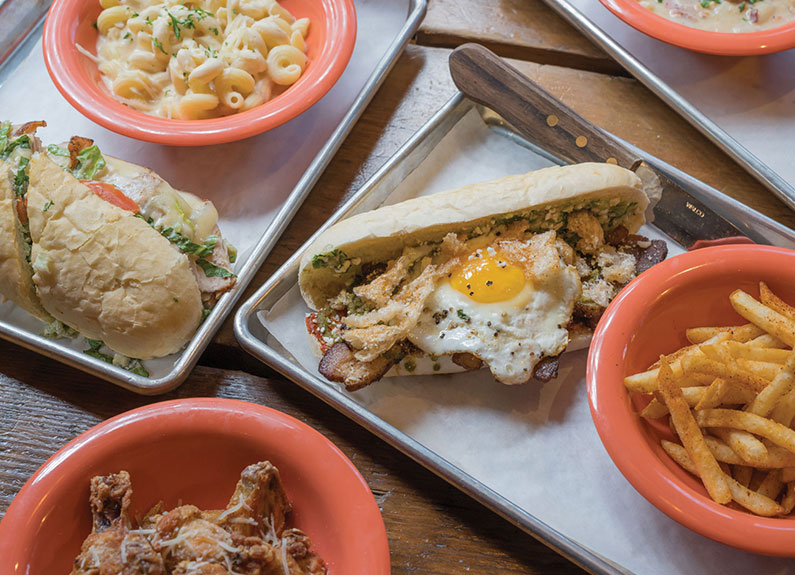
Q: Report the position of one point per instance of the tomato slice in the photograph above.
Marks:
(112, 194)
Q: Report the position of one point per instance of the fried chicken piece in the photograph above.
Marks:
(189, 543)
(259, 503)
(112, 548)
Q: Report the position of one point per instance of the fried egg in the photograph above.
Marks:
(491, 308)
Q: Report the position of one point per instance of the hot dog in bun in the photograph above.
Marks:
(504, 274)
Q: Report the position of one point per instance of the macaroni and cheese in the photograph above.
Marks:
(196, 59)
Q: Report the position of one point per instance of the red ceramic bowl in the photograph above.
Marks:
(649, 317)
(721, 43)
(193, 451)
(332, 34)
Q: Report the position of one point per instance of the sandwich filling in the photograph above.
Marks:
(509, 294)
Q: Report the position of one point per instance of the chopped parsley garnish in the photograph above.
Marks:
(94, 24)
(205, 312)
(462, 315)
(213, 271)
(127, 35)
(334, 258)
(89, 163)
(47, 206)
(159, 45)
(214, 31)
(706, 3)
(175, 24)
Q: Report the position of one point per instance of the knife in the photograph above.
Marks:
(544, 120)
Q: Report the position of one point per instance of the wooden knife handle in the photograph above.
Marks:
(485, 78)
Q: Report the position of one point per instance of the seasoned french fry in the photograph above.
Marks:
(734, 419)
(777, 457)
(762, 316)
(748, 351)
(763, 369)
(733, 395)
(654, 410)
(679, 353)
(696, 335)
(751, 500)
(713, 396)
(717, 352)
(771, 485)
(732, 373)
(689, 433)
(742, 474)
(788, 501)
(784, 412)
(764, 403)
(787, 474)
(748, 447)
(767, 340)
(774, 302)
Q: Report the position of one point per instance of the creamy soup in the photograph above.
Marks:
(737, 16)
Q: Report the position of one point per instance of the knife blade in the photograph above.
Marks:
(544, 120)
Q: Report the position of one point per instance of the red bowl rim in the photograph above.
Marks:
(719, 43)
(613, 413)
(24, 505)
(61, 58)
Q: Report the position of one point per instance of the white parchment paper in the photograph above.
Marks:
(248, 181)
(536, 445)
(751, 98)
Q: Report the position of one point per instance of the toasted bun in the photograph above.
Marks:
(15, 271)
(105, 272)
(382, 234)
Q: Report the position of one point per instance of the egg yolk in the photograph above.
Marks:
(488, 278)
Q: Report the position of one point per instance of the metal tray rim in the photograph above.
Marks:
(189, 356)
(281, 280)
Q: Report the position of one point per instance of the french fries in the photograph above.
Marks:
(730, 398)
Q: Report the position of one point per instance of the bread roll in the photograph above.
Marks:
(105, 272)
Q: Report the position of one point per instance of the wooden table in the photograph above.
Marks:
(432, 527)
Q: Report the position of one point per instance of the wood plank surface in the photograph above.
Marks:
(420, 84)
(433, 528)
(523, 29)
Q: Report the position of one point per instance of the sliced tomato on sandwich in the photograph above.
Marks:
(112, 194)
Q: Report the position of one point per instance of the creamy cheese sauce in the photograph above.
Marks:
(734, 16)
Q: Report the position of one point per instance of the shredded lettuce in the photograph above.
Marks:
(89, 163)
(9, 147)
(186, 246)
(213, 271)
(57, 329)
(5, 130)
(21, 179)
(130, 364)
(57, 151)
(232, 252)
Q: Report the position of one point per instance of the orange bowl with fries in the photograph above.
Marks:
(691, 383)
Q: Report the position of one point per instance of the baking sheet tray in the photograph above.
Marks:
(530, 453)
(256, 184)
(743, 104)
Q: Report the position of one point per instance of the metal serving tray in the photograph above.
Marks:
(260, 342)
(735, 102)
(275, 207)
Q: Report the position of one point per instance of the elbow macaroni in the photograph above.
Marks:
(196, 59)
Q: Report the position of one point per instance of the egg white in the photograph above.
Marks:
(510, 336)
